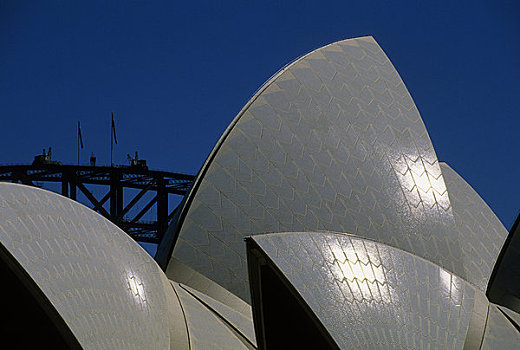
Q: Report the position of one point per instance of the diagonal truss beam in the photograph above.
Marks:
(145, 209)
(135, 200)
(93, 200)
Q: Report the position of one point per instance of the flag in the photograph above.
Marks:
(114, 128)
(79, 135)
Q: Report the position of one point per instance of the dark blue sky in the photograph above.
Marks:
(176, 73)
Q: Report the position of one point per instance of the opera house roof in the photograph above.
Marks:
(322, 219)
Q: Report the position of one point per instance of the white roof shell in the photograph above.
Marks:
(106, 288)
(331, 142)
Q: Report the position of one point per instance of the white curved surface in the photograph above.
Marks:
(242, 323)
(477, 226)
(372, 296)
(332, 142)
(500, 332)
(106, 288)
(206, 330)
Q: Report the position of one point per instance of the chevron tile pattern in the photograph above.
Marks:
(107, 288)
(500, 332)
(329, 174)
(371, 296)
(478, 227)
(205, 330)
(332, 142)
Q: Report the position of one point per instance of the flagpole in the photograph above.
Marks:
(111, 140)
(79, 128)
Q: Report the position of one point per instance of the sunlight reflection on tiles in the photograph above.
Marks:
(136, 288)
(362, 290)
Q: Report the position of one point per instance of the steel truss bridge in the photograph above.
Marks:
(116, 179)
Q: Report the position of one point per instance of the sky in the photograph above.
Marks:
(176, 73)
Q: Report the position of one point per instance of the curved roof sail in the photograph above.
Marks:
(477, 226)
(106, 288)
(332, 142)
